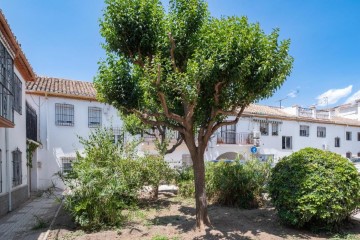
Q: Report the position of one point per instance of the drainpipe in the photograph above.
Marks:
(8, 170)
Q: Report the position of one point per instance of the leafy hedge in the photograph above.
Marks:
(314, 188)
(231, 184)
(108, 179)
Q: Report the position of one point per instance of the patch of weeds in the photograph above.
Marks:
(40, 223)
(160, 237)
(72, 235)
(346, 237)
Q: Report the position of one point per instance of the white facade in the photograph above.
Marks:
(321, 133)
(15, 139)
(62, 142)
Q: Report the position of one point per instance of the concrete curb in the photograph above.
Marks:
(53, 221)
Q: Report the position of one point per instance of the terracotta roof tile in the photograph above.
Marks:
(63, 87)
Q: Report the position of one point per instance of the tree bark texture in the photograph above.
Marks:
(202, 218)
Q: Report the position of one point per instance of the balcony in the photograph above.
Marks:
(31, 123)
(230, 137)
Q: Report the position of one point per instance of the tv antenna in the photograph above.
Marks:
(281, 100)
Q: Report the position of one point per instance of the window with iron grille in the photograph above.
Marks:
(275, 129)
(321, 132)
(0, 171)
(67, 164)
(31, 123)
(304, 130)
(17, 94)
(337, 142)
(228, 134)
(286, 142)
(264, 128)
(348, 136)
(17, 170)
(94, 117)
(358, 136)
(64, 114)
(6, 84)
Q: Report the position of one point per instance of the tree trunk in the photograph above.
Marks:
(202, 218)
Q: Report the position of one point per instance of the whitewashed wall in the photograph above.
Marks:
(17, 139)
(273, 144)
(62, 141)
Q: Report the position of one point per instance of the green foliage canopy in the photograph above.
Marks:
(182, 65)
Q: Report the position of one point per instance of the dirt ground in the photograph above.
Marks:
(174, 218)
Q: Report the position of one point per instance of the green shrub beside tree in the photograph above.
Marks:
(314, 188)
(230, 184)
(107, 179)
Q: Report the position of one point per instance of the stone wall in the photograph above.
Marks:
(18, 196)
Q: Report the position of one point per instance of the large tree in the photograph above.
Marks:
(183, 69)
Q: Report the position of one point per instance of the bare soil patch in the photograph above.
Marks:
(174, 218)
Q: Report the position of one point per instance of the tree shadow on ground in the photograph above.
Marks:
(234, 223)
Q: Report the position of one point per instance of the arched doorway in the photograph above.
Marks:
(230, 156)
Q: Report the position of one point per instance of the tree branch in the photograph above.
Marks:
(172, 52)
(178, 143)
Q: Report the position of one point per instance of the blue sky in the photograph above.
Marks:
(61, 39)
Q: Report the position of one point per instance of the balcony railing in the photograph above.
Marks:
(31, 123)
(322, 114)
(305, 112)
(229, 137)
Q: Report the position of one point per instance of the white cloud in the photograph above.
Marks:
(293, 93)
(332, 96)
(353, 98)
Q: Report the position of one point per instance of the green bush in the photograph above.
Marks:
(236, 184)
(154, 170)
(231, 184)
(314, 188)
(107, 179)
(185, 182)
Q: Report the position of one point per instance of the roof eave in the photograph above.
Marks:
(20, 61)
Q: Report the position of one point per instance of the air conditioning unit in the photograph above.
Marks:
(256, 142)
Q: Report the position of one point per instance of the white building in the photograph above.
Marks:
(64, 106)
(66, 109)
(279, 132)
(15, 70)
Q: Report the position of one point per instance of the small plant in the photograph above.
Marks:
(40, 223)
(315, 188)
(160, 237)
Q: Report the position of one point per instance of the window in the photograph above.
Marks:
(264, 128)
(321, 132)
(348, 136)
(17, 172)
(227, 134)
(119, 135)
(67, 164)
(304, 130)
(358, 136)
(94, 117)
(275, 129)
(17, 94)
(358, 154)
(6, 84)
(286, 142)
(348, 155)
(64, 114)
(337, 142)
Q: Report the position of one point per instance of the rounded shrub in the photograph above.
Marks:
(314, 188)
